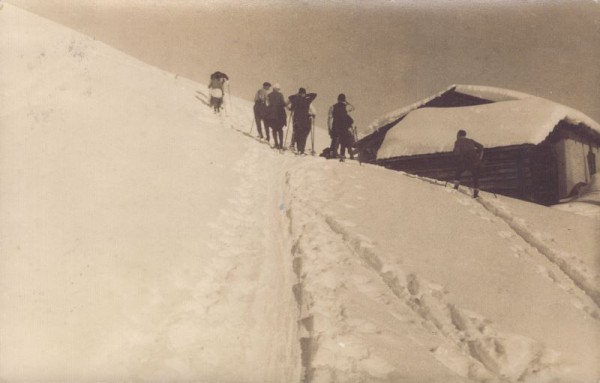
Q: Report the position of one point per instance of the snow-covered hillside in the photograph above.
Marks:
(145, 238)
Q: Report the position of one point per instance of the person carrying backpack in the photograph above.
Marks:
(469, 154)
(260, 109)
(339, 123)
(299, 104)
(276, 116)
(216, 90)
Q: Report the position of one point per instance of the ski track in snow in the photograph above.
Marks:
(485, 352)
(251, 235)
(564, 269)
(579, 273)
(284, 292)
(576, 278)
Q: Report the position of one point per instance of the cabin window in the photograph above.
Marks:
(591, 158)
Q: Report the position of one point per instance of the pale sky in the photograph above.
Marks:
(382, 54)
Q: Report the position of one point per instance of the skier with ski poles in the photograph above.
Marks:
(338, 123)
(276, 116)
(216, 90)
(312, 114)
(299, 104)
(260, 109)
(469, 155)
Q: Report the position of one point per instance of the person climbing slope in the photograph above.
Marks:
(469, 154)
(260, 109)
(216, 90)
(276, 116)
(299, 104)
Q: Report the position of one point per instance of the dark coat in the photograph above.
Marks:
(341, 119)
(300, 104)
(468, 152)
(276, 115)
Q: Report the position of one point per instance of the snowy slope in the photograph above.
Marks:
(118, 190)
(411, 266)
(145, 238)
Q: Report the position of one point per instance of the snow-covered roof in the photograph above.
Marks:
(512, 118)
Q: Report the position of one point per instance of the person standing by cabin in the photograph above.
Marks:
(339, 123)
(469, 154)
(276, 116)
(260, 109)
(299, 104)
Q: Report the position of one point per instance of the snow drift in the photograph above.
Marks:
(587, 202)
(433, 130)
(145, 238)
(513, 118)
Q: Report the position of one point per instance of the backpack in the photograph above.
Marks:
(216, 92)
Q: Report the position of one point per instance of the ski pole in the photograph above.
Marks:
(251, 126)
(312, 136)
(354, 130)
(229, 93)
(287, 129)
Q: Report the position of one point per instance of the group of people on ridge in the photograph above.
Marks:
(270, 113)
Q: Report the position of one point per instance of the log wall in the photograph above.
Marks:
(520, 171)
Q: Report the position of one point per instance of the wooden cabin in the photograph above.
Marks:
(535, 150)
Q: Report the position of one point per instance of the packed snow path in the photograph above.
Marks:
(239, 309)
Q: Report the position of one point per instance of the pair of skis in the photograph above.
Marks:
(445, 184)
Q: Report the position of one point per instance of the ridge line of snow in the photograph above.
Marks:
(104, 48)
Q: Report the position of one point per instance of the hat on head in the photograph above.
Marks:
(302, 91)
(461, 133)
(276, 86)
(341, 97)
(266, 84)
